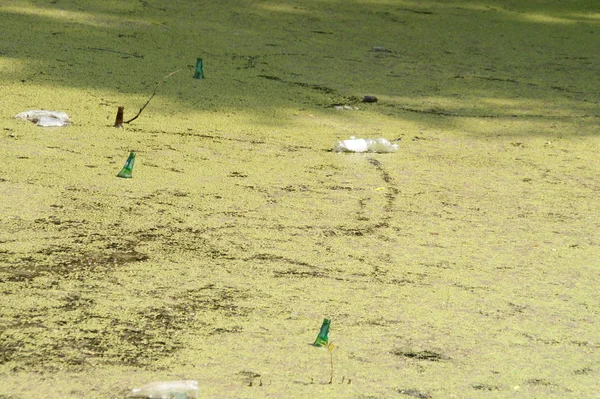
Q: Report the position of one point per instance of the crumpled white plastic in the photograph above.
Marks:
(45, 118)
(186, 389)
(365, 145)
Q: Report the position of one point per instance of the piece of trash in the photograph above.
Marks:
(365, 145)
(128, 168)
(199, 74)
(45, 118)
(369, 99)
(119, 118)
(186, 389)
(345, 107)
(323, 337)
(380, 49)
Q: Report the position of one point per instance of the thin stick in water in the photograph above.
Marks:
(153, 94)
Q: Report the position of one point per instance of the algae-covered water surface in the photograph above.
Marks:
(464, 265)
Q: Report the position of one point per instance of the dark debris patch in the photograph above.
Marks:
(211, 298)
(222, 330)
(415, 393)
(420, 355)
(248, 377)
(354, 232)
(317, 87)
(583, 371)
(74, 301)
(416, 11)
(540, 382)
(135, 339)
(299, 274)
(277, 258)
(485, 387)
(67, 262)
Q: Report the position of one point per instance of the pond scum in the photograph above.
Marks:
(464, 263)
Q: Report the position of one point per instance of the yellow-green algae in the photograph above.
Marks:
(465, 265)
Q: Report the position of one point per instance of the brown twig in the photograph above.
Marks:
(153, 94)
(116, 52)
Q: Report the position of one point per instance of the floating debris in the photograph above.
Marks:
(187, 389)
(345, 107)
(128, 168)
(199, 73)
(365, 145)
(119, 118)
(45, 118)
(323, 337)
(380, 49)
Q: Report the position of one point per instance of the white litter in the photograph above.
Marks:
(45, 118)
(345, 107)
(186, 389)
(365, 145)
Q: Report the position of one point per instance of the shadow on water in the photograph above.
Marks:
(426, 61)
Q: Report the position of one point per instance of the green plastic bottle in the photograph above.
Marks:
(323, 337)
(199, 74)
(128, 168)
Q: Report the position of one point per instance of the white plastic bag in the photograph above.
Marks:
(186, 389)
(45, 118)
(365, 145)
